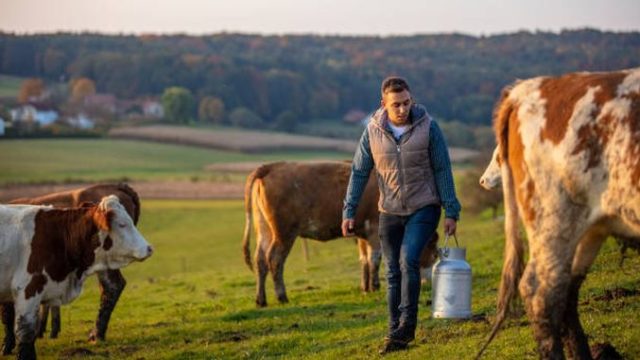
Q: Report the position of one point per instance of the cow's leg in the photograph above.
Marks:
(544, 287)
(574, 337)
(276, 256)
(363, 257)
(55, 322)
(264, 238)
(25, 325)
(111, 285)
(8, 318)
(261, 277)
(43, 317)
(375, 258)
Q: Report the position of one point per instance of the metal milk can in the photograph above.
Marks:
(451, 283)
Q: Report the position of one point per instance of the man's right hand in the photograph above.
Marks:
(347, 227)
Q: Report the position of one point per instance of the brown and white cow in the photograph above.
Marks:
(569, 152)
(492, 176)
(47, 253)
(286, 200)
(111, 282)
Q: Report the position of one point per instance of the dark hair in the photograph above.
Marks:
(393, 84)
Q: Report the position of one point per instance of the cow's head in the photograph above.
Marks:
(120, 241)
(492, 177)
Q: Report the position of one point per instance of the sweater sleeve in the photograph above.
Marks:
(360, 170)
(442, 171)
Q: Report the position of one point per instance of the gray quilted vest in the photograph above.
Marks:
(403, 167)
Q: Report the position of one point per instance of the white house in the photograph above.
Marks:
(152, 109)
(81, 121)
(34, 113)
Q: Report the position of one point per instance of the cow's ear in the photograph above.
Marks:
(102, 219)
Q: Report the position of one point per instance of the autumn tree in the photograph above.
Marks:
(81, 88)
(30, 88)
(243, 117)
(286, 121)
(178, 104)
(211, 110)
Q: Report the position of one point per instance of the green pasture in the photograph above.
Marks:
(194, 299)
(70, 160)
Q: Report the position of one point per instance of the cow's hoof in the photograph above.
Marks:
(364, 288)
(94, 337)
(261, 303)
(26, 351)
(283, 299)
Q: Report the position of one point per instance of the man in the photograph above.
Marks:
(412, 165)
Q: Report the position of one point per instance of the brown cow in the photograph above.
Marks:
(288, 200)
(569, 151)
(111, 281)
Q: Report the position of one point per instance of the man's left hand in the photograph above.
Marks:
(450, 226)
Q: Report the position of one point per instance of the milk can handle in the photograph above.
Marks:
(446, 239)
(445, 250)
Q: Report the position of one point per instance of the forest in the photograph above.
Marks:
(311, 77)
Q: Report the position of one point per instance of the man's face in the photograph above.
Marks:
(397, 105)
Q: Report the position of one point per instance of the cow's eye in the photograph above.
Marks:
(122, 225)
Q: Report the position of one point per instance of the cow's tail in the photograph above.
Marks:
(257, 174)
(134, 197)
(514, 247)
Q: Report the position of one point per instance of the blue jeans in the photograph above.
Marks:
(403, 238)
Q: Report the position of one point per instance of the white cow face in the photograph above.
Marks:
(120, 241)
(492, 177)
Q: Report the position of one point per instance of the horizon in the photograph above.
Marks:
(351, 18)
(451, 33)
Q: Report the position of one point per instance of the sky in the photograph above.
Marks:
(326, 17)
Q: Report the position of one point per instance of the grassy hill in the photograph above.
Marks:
(194, 299)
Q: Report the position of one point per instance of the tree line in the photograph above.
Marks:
(267, 80)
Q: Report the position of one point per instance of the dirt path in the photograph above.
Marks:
(146, 190)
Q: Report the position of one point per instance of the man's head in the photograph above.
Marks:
(396, 99)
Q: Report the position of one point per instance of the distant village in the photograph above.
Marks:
(76, 108)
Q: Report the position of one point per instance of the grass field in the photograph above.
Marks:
(194, 299)
(66, 160)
